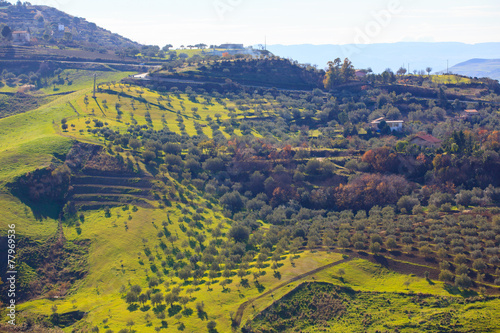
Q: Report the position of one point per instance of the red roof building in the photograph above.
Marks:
(425, 140)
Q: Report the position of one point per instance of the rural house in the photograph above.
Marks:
(360, 73)
(425, 140)
(469, 113)
(21, 37)
(394, 125)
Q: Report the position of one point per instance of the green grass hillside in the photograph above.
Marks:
(325, 307)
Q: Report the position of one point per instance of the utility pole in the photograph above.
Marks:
(447, 67)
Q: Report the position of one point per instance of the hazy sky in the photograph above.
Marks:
(289, 22)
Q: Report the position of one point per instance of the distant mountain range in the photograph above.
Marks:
(479, 68)
(381, 56)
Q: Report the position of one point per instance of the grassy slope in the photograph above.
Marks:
(368, 311)
(131, 105)
(450, 79)
(80, 79)
(30, 141)
(113, 246)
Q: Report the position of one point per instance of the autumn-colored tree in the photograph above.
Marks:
(283, 195)
(492, 141)
(369, 190)
(207, 147)
(446, 169)
(381, 159)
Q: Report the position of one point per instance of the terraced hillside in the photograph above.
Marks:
(94, 192)
(101, 180)
(21, 52)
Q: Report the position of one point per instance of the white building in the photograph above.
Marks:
(21, 37)
(394, 125)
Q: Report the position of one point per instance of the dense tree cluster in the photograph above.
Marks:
(338, 73)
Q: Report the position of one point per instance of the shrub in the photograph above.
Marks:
(463, 281)
(446, 275)
(407, 202)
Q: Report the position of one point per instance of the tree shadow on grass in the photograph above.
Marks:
(174, 309)
(431, 260)
(202, 315)
(244, 283)
(381, 260)
(187, 312)
(454, 290)
(133, 307)
(159, 308)
(40, 210)
(259, 287)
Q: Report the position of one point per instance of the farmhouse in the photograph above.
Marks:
(394, 125)
(360, 73)
(425, 140)
(470, 113)
(21, 36)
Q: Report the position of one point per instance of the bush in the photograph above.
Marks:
(391, 243)
(479, 264)
(446, 275)
(213, 164)
(460, 259)
(232, 201)
(148, 155)
(461, 269)
(407, 202)
(438, 199)
(463, 281)
(239, 233)
(313, 167)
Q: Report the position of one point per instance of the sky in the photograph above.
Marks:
(290, 22)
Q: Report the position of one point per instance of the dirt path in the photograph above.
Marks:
(243, 306)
